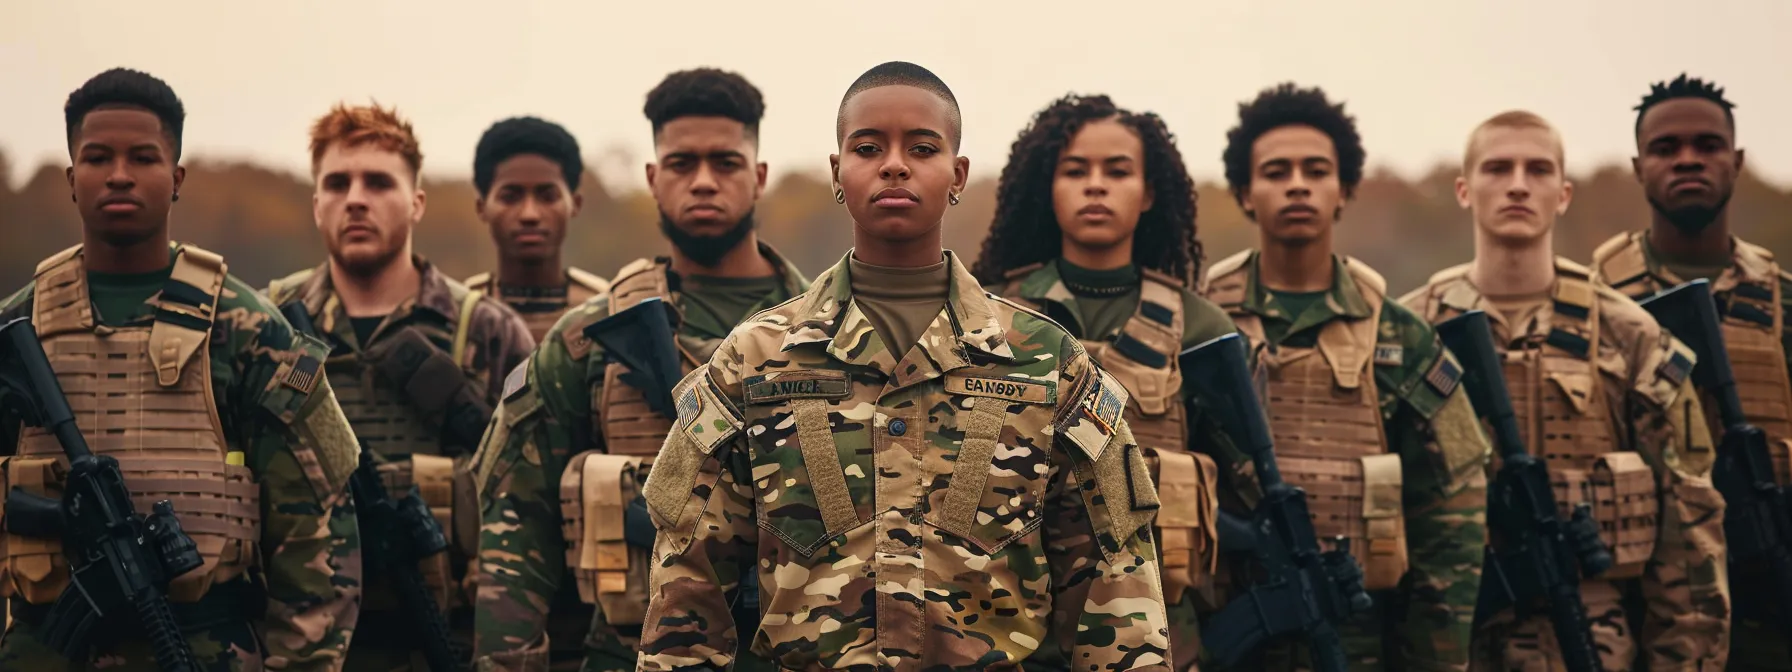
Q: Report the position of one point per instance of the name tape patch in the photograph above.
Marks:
(1391, 354)
(796, 385)
(1011, 389)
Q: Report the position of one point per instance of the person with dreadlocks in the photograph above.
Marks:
(1687, 162)
(1363, 401)
(1095, 227)
(922, 475)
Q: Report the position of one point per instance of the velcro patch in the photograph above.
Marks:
(1675, 368)
(1444, 375)
(303, 374)
(1011, 389)
(1106, 401)
(812, 384)
(713, 421)
(513, 383)
(1389, 354)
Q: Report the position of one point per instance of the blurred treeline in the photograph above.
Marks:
(261, 221)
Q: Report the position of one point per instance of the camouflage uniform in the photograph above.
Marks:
(406, 426)
(1016, 516)
(1141, 355)
(238, 403)
(1752, 293)
(1367, 418)
(1610, 420)
(542, 309)
(532, 613)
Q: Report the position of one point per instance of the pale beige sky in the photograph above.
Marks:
(1417, 73)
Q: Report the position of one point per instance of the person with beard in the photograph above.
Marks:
(416, 358)
(1687, 163)
(919, 474)
(1597, 388)
(527, 172)
(204, 395)
(577, 429)
(1363, 400)
(1095, 227)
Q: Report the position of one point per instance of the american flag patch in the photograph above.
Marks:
(1675, 368)
(303, 374)
(1444, 375)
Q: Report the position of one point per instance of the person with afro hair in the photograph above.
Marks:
(527, 171)
(1363, 402)
(585, 417)
(1095, 227)
(1688, 162)
(199, 394)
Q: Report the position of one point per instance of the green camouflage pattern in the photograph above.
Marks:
(1202, 321)
(547, 419)
(1686, 620)
(894, 524)
(301, 450)
(1426, 623)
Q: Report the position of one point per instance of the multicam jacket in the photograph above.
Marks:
(959, 505)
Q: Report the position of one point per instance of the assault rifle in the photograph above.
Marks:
(1535, 553)
(396, 536)
(119, 560)
(1306, 591)
(1757, 524)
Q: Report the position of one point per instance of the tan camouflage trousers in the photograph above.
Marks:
(232, 648)
(1503, 645)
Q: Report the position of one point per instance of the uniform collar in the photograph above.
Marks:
(967, 327)
(1344, 299)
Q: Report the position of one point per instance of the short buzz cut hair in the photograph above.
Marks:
(705, 92)
(353, 126)
(1682, 87)
(1513, 119)
(526, 135)
(903, 73)
(123, 87)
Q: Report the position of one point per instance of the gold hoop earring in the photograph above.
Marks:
(840, 196)
(952, 197)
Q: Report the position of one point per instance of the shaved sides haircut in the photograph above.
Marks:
(902, 73)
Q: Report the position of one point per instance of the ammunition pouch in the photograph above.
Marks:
(595, 492)
(1621, 490)
(1383, 553)
(436, 385)
(1187, 525)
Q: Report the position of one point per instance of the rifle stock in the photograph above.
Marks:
(641, 339)
(1757, 522)
(119, 560)
(1534, 552)
(1306, 592)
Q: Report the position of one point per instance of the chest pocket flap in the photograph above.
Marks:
(791, 418)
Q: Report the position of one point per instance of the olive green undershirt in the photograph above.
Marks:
(1693, 269)
(1106, 298)
(726, 300)
(900, 302)
(1294, 305)
(122, 298)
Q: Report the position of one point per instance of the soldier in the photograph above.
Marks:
(1687, 162)
(1095, 227)
(1583, 361)
(1362, 398)
(577, 415)
(236, 403)
(527, 171)
(416, 358)
(921, 475)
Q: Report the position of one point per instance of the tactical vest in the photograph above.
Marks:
(628, 425)
(142, 395)
(1325, 418)
(1563, 415)
(387, 423)
(1753, 319)
(580, 287)
(1142, 358)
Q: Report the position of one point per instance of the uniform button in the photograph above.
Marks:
(898, 428)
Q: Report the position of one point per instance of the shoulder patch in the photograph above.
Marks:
(1011, 389)
(1675, 367)
(515, 380)
(711, 420)
(1445, 373)
(1091, 423)
(809, 384)
(1107, 401)
(1390, 354)
(304, 374)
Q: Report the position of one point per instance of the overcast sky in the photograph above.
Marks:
(1418, 74)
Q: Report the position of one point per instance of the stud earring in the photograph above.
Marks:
(952, 197)
(840, 196)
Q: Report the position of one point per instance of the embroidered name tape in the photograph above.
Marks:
(1011, 389)
(796, 385)
(1389, 355)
